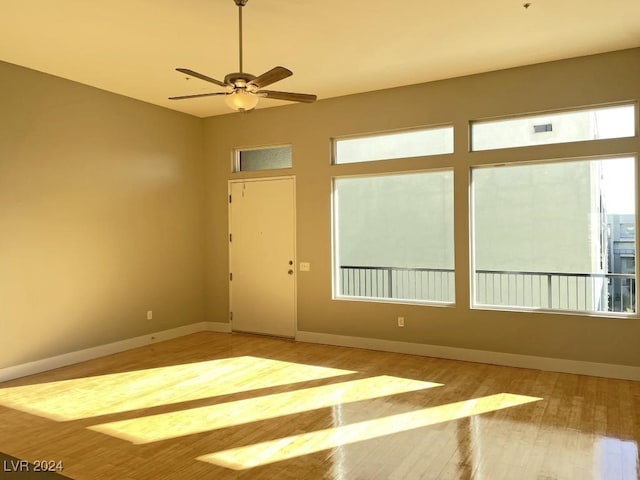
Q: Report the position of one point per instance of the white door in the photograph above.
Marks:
(261, 256)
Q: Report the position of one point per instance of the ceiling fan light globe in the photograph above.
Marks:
(241, 100)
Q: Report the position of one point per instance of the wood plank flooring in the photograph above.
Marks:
(225, 406)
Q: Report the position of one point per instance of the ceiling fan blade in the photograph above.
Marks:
(291, 97)
(182, 97)
(191, 73)
(274, 75)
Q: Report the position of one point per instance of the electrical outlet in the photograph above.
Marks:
(149, 314)
(401, 321)
(305, 267)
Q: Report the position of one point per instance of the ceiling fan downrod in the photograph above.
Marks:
(240, 4)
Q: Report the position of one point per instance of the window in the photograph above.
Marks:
(628, 264)
(542, 235)
(393, 237)
(560, 127)
(385, 146)
(627, 230)
(269, 158)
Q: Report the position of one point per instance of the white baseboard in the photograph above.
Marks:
(624, 372)
(218, 327)
(71, 358)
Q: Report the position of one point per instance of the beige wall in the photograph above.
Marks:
(101, 217)
(577, 82)
(110, 207)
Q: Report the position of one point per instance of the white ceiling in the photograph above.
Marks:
(334, 47)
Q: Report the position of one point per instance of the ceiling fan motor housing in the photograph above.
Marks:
(238, 79)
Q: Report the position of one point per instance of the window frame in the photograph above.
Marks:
(473, 305)
(335, 256)
(236, 160)
(382, 133)
(633, 103)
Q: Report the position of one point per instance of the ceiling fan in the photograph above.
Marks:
(243, 90)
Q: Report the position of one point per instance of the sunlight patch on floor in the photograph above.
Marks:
(264, 453)
(164, 426)
(122, 392)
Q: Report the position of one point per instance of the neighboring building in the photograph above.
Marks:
(540, 236)
(621, 231)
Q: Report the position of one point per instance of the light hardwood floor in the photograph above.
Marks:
(222, 406)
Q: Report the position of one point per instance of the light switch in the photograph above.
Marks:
(305, 267)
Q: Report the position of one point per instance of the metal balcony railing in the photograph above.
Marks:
(588, 292)
(427, 284)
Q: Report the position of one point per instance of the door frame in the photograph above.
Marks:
(295, 245)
